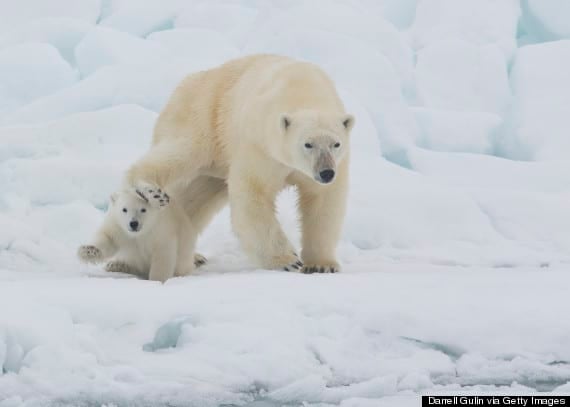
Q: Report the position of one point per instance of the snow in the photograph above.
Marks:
(62, 33)
(16, 13)
(481, 22)
(540, 79)
(443, 130)
(455, 248)
(30, 71)
(547, 19)
(457, 75)
(105, 46)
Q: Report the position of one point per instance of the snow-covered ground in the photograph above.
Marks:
(456, 248)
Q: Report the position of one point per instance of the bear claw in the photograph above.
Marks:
(294, 266)
(320, 269)
(153, 195)
(199, 260)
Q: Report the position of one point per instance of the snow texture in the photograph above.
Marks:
(456, 245)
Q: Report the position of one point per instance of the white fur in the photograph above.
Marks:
(247, 123)
(161, 247)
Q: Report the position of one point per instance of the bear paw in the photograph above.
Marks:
(89, 254)
(120, 267)
(152, 194)
(295, 265)
(199, 260)
(317, 268)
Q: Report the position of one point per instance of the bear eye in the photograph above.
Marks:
(336, 145)
(143, 210)
(308, 145)
(125, 210)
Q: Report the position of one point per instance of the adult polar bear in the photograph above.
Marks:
(258, 123)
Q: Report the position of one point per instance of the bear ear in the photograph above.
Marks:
(285, 122)
(113, 197)
(348, 122)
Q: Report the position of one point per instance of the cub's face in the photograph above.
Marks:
(316, 144)
(132, 213)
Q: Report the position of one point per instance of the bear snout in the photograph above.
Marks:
(134, 225)
(326, 176)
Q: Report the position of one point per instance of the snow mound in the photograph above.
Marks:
(540, 79)
(62, 33)
(16, 13)
(105, 46)
(143, 18)
(232, 20)
(341, 19)
(30, 71)
(482, 22)
(401, 13)
(547, 19)
(443, 130)
(209, 47)
(79, 157)
(110, 86)
(457, 75)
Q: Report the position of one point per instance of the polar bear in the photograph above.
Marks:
(257, 124)
(150, 242)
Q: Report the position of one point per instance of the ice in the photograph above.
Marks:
(16, 13)
(143, 18)
(547, 20)
(343, 19)
(455, 248)
(30, 71)
(235, 350)
(541, 115)
(196, 44)
(233, 20)
(105, 46)
(62, 33)
(401, 13)
(443, 130)
(110, 86)
(457, 75)
(481, 22)
(32, 169)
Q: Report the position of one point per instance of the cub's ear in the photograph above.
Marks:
(285, 122)
(113, 197)
(348, 122)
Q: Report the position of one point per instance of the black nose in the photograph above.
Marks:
(326, 175)
(134, 225)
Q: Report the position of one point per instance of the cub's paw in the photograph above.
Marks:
(199, 260)
(152, 194)
(320, 268)
(89, 254)
(295, 265)
(121, 267)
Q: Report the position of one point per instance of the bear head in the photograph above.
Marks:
(315, 143)
(132, 212)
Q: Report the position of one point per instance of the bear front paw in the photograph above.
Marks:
(121, 267)
(318, 268)
(152, 194)
(89, 254)
(199, 260)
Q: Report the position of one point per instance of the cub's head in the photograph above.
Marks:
(315, 143)
(132, 212)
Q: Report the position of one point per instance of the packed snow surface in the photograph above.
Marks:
(456, 246)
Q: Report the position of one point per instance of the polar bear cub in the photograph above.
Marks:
(141, 239)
